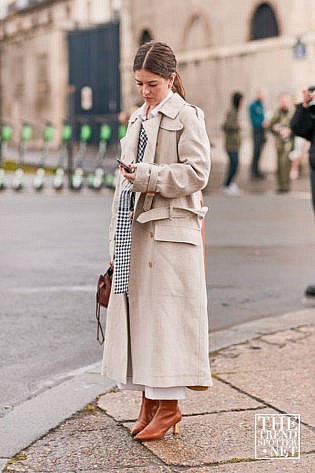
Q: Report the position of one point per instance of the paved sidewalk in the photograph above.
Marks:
(270, 374)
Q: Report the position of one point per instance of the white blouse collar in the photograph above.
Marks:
(156, 110)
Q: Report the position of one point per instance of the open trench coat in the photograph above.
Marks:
(167, 290)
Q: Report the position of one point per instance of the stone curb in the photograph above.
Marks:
(34, 418)
(256, 328)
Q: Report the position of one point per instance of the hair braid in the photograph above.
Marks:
(159, 59)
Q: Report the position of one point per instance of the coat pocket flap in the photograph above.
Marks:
(178, 234)
(172, 124)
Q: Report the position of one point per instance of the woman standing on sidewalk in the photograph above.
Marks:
(156, 337)
(232, 131)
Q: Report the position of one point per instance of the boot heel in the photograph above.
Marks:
(176, 428)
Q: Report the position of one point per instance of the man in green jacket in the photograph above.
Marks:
(284, 140)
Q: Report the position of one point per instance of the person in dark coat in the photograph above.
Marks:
(303, 124)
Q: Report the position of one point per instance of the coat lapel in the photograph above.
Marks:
(170, 109)
(151, 128)
(131, 147)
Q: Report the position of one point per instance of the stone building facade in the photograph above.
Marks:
(34, 63)
(221, 47)
(226, 46)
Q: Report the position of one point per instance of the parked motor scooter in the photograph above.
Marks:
(59, 178)
(78, 175)
(39, 179)
(96, 179)
(5, 137)
(26, 135)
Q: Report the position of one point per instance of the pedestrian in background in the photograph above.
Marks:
(284, 140)
(156, 338)
(232, 131)
(303, 124)
(257, 119)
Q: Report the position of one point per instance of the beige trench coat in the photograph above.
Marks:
(168, 300)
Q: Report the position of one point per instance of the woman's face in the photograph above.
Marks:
(152, 87)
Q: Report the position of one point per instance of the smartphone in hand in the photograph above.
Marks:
(125, 166)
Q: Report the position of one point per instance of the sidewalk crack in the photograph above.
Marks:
(258, 399)
(228, 462)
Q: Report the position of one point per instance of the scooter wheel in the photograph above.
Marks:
(58, 186)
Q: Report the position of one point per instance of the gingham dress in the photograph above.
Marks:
(123, 228)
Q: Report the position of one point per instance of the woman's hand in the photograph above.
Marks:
(127, 175)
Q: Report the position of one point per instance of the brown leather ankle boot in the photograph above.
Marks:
(168, 415)
(146, 414)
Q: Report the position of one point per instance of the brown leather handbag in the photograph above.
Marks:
(103, 289)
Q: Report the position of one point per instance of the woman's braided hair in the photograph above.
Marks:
(159, 59)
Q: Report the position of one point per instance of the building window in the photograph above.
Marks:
(264, 23)
(145, 37)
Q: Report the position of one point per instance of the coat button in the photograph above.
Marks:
(150, 264)
(151, 234)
